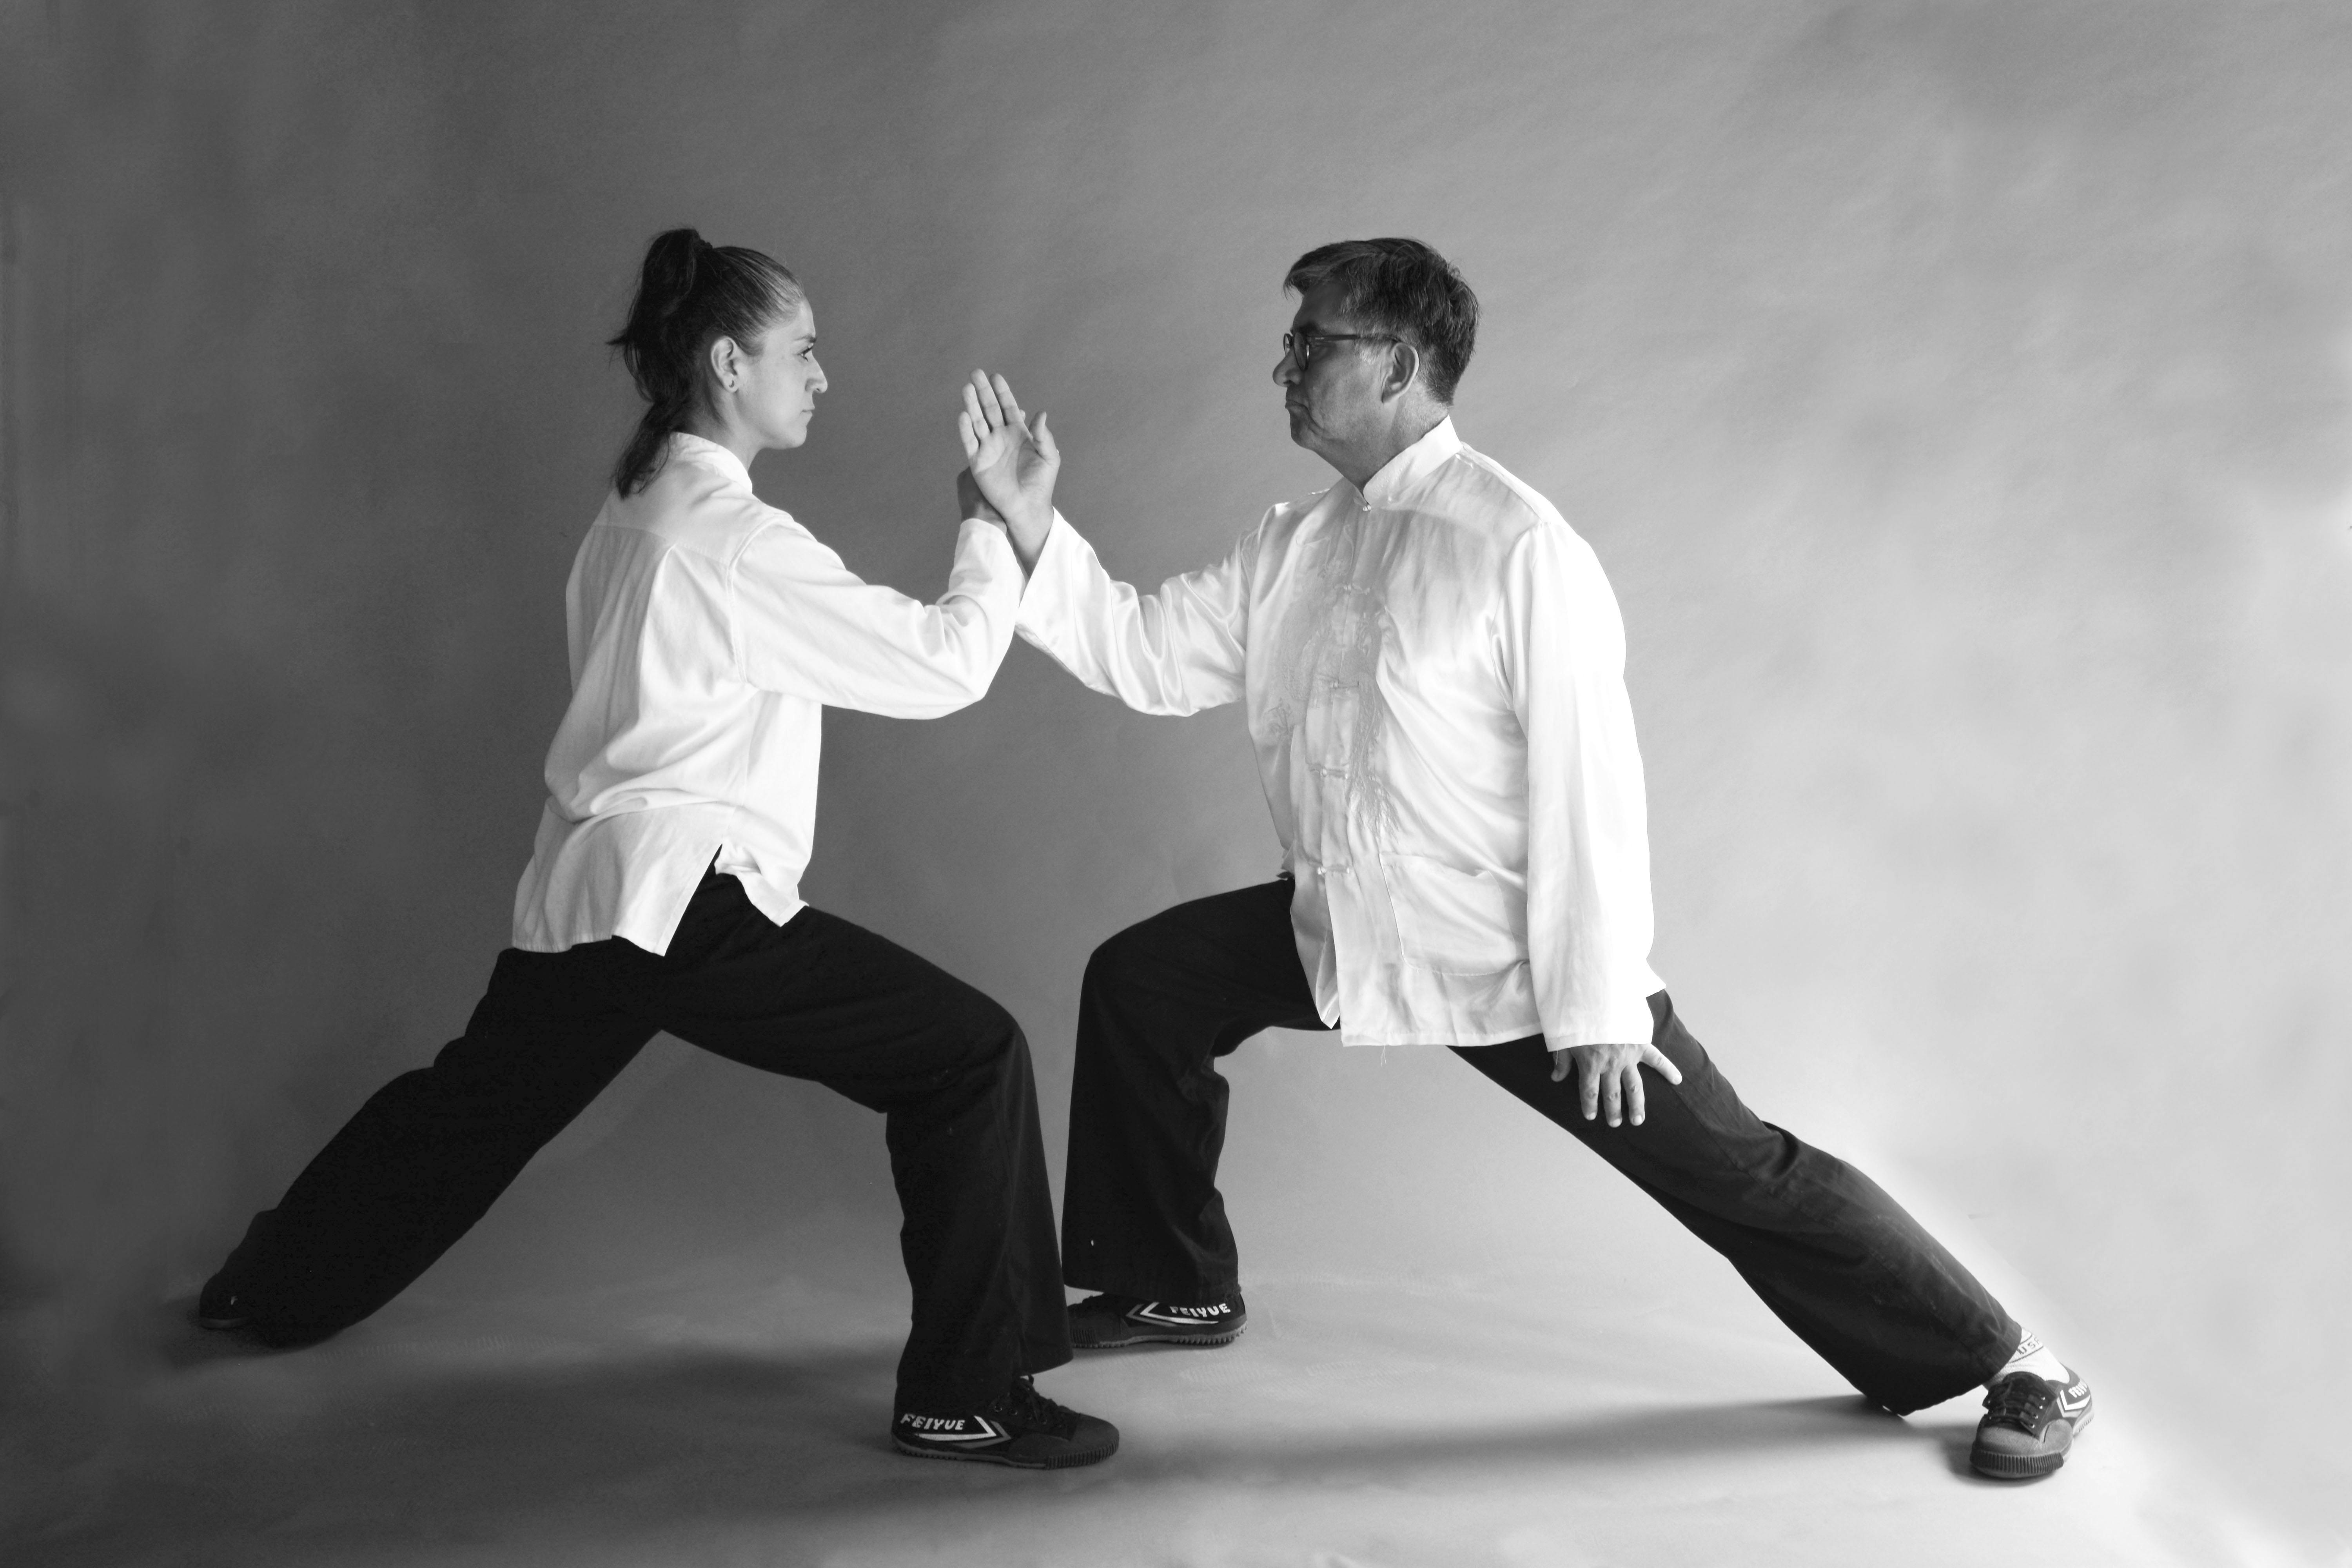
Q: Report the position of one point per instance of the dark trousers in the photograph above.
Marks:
(818, 999)
(1837, 1259)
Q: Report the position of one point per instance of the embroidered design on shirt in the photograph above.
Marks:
(1328, 662)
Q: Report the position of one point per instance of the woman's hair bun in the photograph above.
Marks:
(666, 281)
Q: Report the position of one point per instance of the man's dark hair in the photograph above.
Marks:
(1400, 285)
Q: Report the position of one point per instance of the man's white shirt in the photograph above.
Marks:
(1434, 668)
(707, 631)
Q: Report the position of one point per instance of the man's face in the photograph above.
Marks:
(1331, 389)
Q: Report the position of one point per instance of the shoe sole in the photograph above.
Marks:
(1065, 1462)
(1188, 1341)
(2015, 1467)
(223, 1324)
(2025, 1467)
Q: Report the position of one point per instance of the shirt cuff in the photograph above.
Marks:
(986, 566)
(1623, 1020)
(1063, 555)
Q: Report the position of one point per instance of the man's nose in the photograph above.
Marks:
(1285, 369)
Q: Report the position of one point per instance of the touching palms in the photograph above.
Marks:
(1014, 464)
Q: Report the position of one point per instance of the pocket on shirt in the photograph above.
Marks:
(1455, 921)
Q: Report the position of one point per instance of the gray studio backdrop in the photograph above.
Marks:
(1956, 396)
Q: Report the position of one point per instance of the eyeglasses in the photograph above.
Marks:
(1304, 345)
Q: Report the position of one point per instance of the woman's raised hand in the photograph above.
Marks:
(1014, 464)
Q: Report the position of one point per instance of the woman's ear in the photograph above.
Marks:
(726, 363)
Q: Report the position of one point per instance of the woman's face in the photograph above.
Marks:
(776, 383)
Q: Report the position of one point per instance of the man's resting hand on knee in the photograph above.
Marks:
(1610, 1077)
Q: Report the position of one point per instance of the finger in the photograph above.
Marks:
(988, 402)
(1589, 1082)
(978, 398)
(1047, 444)
(1666, 1068)
(970, 437)
(1613, 1099)
(1010, 405)
(1559, 1067)
(1635, 1107)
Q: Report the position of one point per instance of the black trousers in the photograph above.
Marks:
(818, 999)
(1837, 1259)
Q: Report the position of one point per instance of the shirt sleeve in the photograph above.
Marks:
(1176, 651)
(808, 626)
(1588, 915)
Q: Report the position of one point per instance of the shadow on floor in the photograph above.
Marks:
(232, 1455)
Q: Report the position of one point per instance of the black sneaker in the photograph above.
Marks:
(220, 1306)
(1020, 1428)
(2029, 1424)
(1107, 1322)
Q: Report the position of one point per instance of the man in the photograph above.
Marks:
(1433, 667)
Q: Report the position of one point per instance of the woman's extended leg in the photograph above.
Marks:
(433, 1149)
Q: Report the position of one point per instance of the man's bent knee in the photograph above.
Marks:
(1117, 962)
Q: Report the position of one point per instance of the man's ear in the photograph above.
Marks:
(1404, 369)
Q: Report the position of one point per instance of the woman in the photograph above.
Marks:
(707, 631)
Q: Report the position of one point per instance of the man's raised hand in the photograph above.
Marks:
(1610, 1077)
(1014, 464)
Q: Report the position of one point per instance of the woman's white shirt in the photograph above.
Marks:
(708, 632)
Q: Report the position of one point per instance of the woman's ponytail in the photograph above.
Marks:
(689, 294)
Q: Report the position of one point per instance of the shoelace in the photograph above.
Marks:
(2021, 1401)
(1021, 1403)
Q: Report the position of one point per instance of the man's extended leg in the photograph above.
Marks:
(430, 1151)
(1834, 1257)
(1141, 1216)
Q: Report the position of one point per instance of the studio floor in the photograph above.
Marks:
(718, 1414)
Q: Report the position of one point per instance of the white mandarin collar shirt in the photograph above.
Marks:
(1434, 673)
(708, 632)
